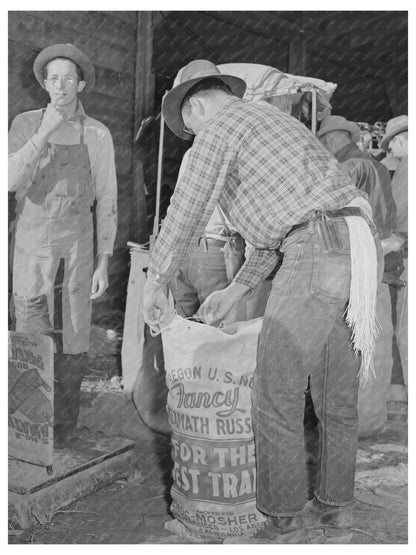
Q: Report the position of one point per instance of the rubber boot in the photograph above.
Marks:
(69, 372)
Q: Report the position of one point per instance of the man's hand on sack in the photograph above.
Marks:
(155, 303)
(393, 243)
(219, 303)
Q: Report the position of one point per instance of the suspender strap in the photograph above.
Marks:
(81, 138)
(224, 223)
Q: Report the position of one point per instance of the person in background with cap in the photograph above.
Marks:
(340, 137)
(279, 186)
(60, 162)
(395, 141)
(212, 262)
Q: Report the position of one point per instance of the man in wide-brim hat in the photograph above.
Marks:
(60, 162)
(217, 256)
(84, 68)
(340, 138)
(395, 126)
(331, 124)
(192, 74)
(279, 187)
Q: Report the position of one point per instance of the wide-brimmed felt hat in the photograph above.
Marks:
(190, 75)
(339, 123)
(394, 127)
(64, 51)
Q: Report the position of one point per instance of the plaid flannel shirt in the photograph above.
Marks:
(267, 171)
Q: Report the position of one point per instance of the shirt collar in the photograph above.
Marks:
(345, 152)
(79, 113)
(228, 102)
(224, 107)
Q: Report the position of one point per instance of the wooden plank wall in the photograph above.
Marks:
(110, 41)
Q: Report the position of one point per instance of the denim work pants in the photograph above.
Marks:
(33, 285)
(202, 272)
(402, 322)
(304, 335)
(54, 222)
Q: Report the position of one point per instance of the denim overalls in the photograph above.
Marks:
(54, 222)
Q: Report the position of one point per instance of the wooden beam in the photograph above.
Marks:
(37, 32)
(127, 16)
(283, 31)
(381, 32)
(355, 29)
(194, 36)
(334, 20)
(348, 62)
(348, 23)
(103, 25)
(144, 107)
(388, 37)
(34, 497)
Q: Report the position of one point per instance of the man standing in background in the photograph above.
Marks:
(396, 141)
(340, 137)
(60, 162)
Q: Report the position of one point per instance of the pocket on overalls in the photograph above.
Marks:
(68, 185)
(71, 167)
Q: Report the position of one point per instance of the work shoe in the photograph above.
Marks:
(334, 521)
(277, 530)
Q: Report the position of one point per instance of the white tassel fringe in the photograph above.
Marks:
(361, 310)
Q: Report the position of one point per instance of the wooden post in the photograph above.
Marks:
(144, 107)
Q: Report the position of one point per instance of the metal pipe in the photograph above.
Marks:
(159, 173)
(314, 109)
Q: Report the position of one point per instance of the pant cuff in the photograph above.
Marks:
(279, 513)
(334, 503)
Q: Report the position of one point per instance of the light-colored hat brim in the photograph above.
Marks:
(173, 101)
(348, 126)
(64, 51)
(384, 144)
